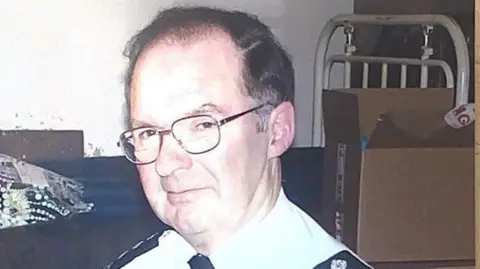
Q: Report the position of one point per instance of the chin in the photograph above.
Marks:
(186, 221)
(189, 218)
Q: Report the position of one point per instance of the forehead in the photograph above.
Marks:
(171, 80)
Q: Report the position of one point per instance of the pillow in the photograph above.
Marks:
(30, 194)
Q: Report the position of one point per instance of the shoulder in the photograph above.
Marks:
(343, 260)
(325, 251)
(138, 249)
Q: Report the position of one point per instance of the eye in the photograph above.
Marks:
(145, 133)
(204, 125)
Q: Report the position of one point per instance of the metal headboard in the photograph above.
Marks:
(323, 66)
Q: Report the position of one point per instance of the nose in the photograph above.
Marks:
(171, 157)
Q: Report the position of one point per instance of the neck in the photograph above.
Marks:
(260, 205)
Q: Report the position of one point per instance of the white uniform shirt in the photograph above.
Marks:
(287, 238)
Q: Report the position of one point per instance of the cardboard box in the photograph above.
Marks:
(467, 264)
(459, 267)
(403, 187)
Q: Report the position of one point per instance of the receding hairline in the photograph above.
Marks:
(190, 34)
(181, 37)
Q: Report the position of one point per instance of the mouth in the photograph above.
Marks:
(183, 197)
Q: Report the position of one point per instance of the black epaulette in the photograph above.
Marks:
(139, 249)
(343, 260)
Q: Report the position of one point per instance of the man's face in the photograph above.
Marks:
(216, 189)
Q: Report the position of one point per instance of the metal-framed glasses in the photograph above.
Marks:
(195, 134)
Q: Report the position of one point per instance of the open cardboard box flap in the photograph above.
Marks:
(419, 128)
(353, 113)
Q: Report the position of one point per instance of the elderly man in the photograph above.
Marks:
(209, 95)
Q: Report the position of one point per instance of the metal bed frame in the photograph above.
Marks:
(323, 66)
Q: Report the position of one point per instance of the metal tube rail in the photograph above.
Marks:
(404, 62)
(460, 45)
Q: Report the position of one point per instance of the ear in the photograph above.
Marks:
(281, 129)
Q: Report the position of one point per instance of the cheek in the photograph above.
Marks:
(216, 170)
(149, 179)
(229, 166)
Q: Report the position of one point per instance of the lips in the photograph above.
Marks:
(179, 190)
(182, 197)
(175, 185)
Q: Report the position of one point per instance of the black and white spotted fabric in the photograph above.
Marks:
(31, 194)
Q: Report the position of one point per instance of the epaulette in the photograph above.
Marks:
(343, 260)
(137, 250)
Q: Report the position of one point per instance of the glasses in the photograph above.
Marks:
(195, 134)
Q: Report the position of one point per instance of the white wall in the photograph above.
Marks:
(61, 62)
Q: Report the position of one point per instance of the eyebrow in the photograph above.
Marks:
(206, 108)
(134, 123)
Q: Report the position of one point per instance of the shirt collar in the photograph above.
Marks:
(297, 234)
(257, 229)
